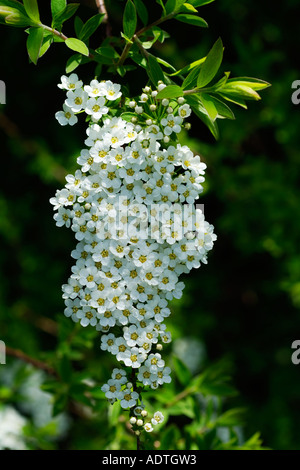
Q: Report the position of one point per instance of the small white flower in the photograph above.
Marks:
(148, 427)
(76, 100)
(70, 83)
(66, 116)
(158, 418)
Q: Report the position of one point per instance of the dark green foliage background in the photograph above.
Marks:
(244, 305)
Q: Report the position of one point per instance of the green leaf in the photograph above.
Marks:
(223, 110)
(170, 6)
(187, 8)
(254, 83)
(77, 45)
(128, 116)
(191, 79)
(161, 3)
(233, 417)
(47, 41)
(73, 62)
(234, 100)
(57, 6)
(211, 64)
(78, 24)
(209, 106)
(182, 372)
(141, 11)
(90, 26)
(34, 43)
(189, 67)
(32, 9)
(183, 407)
(170, 91)
(67, 13)
(154, 70)
(108, 51)
(15, 17)
(200, 3)
(13, 4)
(192, 19)
(236, 90)
(129, 19)
(201, 112)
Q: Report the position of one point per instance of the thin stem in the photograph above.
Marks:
(60, 35)
(128, 45)
(30, 360)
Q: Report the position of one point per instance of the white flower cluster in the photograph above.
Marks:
(132, 208)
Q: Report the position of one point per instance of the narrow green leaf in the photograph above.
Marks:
(34, 43)
(223, 110)
(192, 19)
(128, 116)
(254, 83)
(220, 84)
(32, 9)
(13, 4)
(73, 62)
(154, 70)
(170, 6)
(90, 26)
(234, 100)
(200, 111)
(211, 64)
(66, 14)
(77, 45)
(78, 24)
(236, 90)
(182, 372)
(200, 3)
(161, 3)
(190, 80)
(233, 417)
(189, 67)
(141, 11)
(47, 41)
(129, 19)
(57, 6)
(15, 17)
(108, 51)
(209, 106)
(170, 91)
(187, 8)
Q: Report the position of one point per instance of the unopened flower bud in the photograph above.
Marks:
(132, 104)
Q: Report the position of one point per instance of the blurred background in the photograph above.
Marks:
(243, 305)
